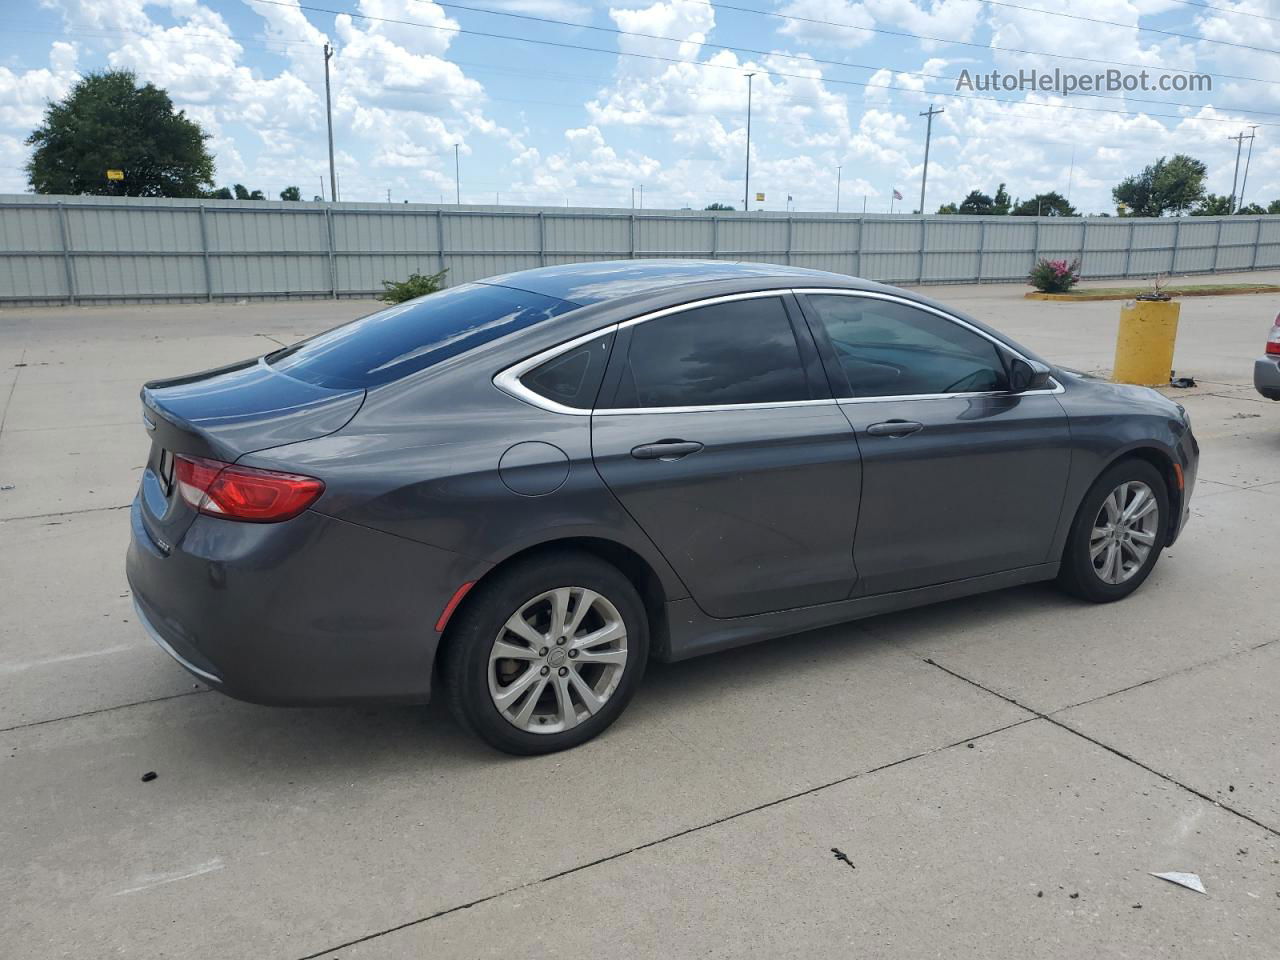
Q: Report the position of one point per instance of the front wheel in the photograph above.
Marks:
(546, 655)
(1117, 534)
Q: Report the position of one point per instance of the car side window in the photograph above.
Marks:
(742, 351)
(573, 377)
(889, 349)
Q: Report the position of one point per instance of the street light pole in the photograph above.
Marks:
(328, 110)
(746, 179)
(928, 135)
(457, 177)
(838, 189)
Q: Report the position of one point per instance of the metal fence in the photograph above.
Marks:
(98, 249)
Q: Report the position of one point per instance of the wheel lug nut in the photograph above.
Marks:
(542, 652)
(560, 642)
(545, 670)
(573, 654)
(564, 671)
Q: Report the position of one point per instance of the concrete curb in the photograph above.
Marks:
(1087, 296)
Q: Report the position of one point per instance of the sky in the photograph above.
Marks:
(595, 104)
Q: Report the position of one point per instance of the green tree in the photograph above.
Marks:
(1251, 210)
(243, 193)
(977, 203)
(290, 193)
(1212, 205)
(948, 208)
(1001, 205)
(1167, 186)
(1273, 206)
(718, 206)
(108, 122)
(1051, 204)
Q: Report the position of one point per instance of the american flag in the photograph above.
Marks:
(897, 195)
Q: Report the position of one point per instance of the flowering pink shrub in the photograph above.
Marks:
(1054, 276)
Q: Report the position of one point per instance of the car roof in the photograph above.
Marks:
(602, 281)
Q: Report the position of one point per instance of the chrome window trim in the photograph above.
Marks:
(508, 379)
(904, 301)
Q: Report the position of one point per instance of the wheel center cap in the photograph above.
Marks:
(557, 657)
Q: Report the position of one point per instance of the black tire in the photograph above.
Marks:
(1078, 575)
(473, 633)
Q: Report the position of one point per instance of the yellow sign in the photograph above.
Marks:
(759, 198)
(115, 174)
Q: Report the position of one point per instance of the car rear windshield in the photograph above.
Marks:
(412, 336)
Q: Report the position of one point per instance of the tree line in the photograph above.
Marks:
(1172, 185)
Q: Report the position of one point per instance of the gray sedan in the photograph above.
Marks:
(524, 488)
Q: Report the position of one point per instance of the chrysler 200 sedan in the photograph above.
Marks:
(522, 489)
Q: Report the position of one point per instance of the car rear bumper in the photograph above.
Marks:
(313, 610)
(1266, 376)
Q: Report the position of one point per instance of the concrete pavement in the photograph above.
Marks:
(978, 762)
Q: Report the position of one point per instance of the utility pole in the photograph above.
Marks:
(928, 134)
(838, 189)
(328, 110)
(746, 179)
(1248, 157)
(457, 177)
(633, 198)
(1239, 139)
(388, 194)
(642, 196)
(1071, 173)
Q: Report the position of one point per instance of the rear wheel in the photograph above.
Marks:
(546, 654)
(1117, 534)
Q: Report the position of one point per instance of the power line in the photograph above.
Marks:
(1130, 26)
(980, 46)
(766, 53)
(737, 69)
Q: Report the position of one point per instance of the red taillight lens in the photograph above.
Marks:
(1273, 341)
(243, 493)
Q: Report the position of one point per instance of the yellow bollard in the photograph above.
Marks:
(1144, 346)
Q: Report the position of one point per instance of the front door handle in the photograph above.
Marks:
(665, 449)
(894, 428)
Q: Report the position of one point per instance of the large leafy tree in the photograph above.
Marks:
(1001, 205)
(1212, 205)
(1170, 185)
(109, 122)
(976, 203)
(1051, 204)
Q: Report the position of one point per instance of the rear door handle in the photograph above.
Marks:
(665, 449)
(894, 428)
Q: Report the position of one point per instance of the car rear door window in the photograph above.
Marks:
(743, 351)
(412, 336)
(890, 349)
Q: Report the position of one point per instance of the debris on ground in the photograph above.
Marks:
(6, 486)
(1189, 880)
(843, 857)
(1244, 416)
(1182, 382)
(149, 776)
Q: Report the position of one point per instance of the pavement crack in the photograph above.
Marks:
(93, 713)
(1110, 749)
(65, 513)
(669, 837)
(8, 400)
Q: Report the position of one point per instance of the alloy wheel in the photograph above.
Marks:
(557, 660)
(1124, 532)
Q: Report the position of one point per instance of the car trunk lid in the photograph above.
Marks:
(223, 414)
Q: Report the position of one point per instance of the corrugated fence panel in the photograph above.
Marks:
(64, 249)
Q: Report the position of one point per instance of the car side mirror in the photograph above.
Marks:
(1025, 375)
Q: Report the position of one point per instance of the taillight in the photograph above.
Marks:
(1273, 341)
(243, 493)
